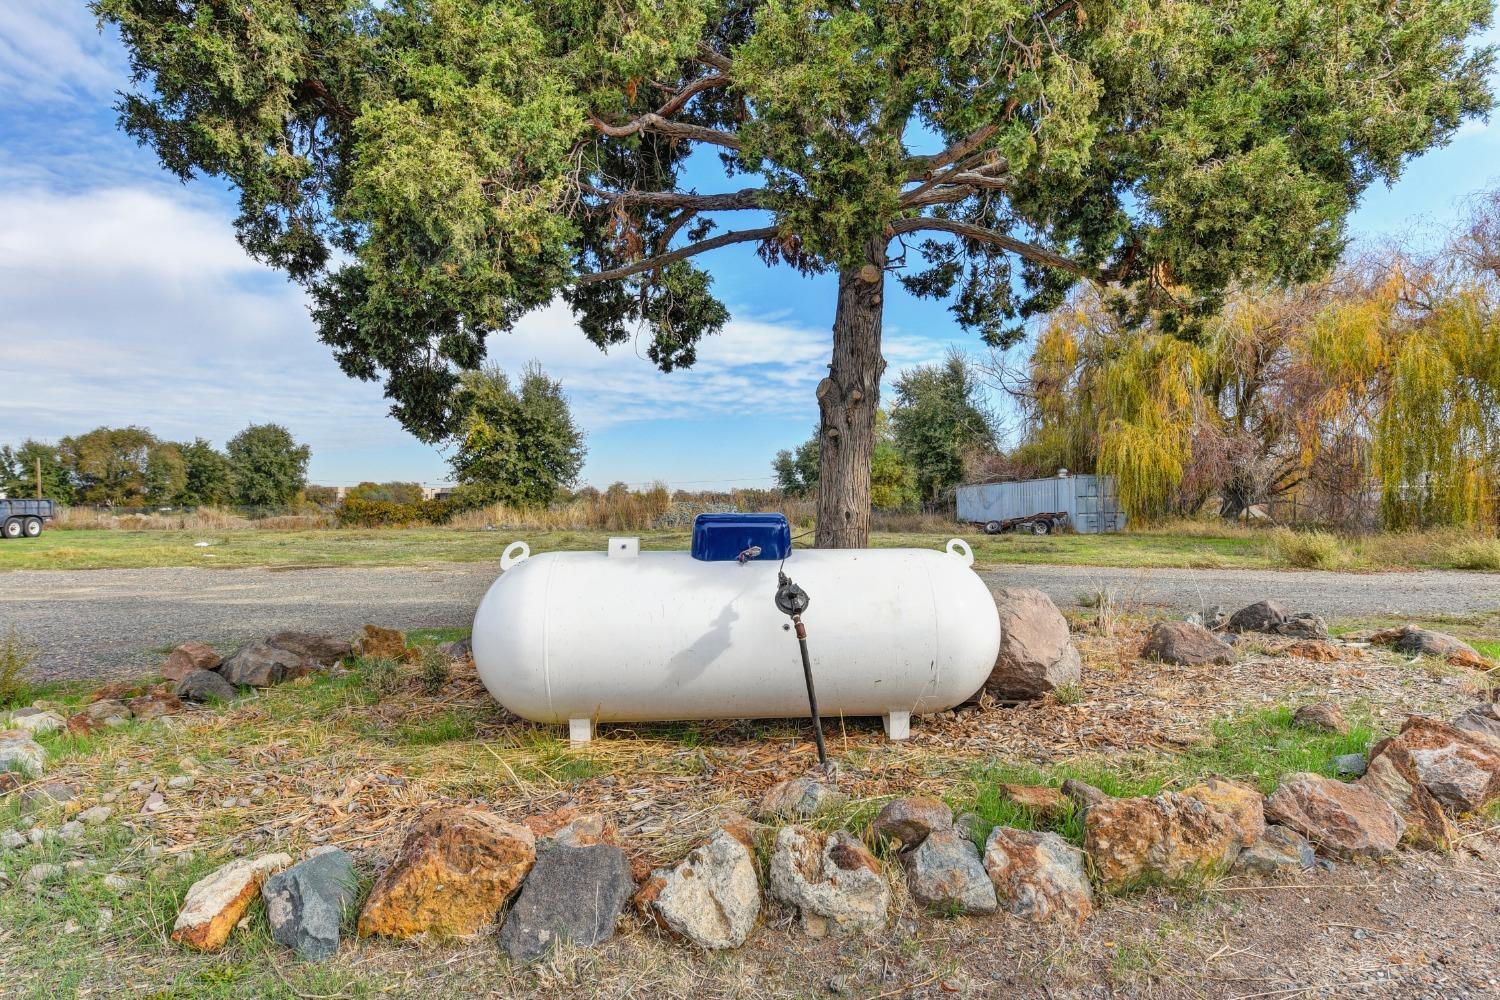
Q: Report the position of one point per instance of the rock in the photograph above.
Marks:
(376, 643)
(1276, 850)
(36, 721)
(1323, 715)
(180, 782)
(1425, 642)
(70, 832)
(306, 903)
(1243, 804)
(154, 706)
(1483, 718)
(188, 657)
(48, 793)
(154, 803)
(259, 664)
(1394, 778)
(452, 874)
(116, 883)
(831, 880)
(912, 820)
(943, 873)
(22, 754)
(1262, 616)
(205, 686)
(1185, 644)
(573, 895)
(1084, 795)
(108, 711)
(1459, 767)
(1038, 876)
(1043, 801)
(1303, 625)
(797, 798)
(10, 781)
(217, 902)
(970, 825)
(712, 897)
(1036, 650)
(314, 651)
(42, 873)
(571, 826)
(1345, 821)
(12, 839)
(1352, 764)
(95, 816)
(458, 649)
(1168, 836)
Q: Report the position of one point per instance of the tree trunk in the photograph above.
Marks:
(847, 401)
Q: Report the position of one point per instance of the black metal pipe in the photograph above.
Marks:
(812, 695)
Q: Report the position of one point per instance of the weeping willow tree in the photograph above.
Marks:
(1374, 394)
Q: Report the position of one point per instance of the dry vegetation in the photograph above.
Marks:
(351, 760)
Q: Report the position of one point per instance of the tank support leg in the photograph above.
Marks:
(580, 730)
(897, 725)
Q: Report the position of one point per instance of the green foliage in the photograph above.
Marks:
(359, 513)
(18, 467)
(892, 484)
(122, 466)
(937, 418)
(1308, 549)
(1261, 747)
(208, 478)
(389, 492)
(16, 655)
(517, 447)
(270, 467)
(434, 169)
(797, 471)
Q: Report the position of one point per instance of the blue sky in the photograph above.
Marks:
(124, 299)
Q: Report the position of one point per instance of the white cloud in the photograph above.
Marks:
(52, 51)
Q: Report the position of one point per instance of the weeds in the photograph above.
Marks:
(1308, 549)
(434, 667)
(16, 655)
(383, 677)
(1476, 553)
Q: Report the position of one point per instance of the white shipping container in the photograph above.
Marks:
(1089, 501)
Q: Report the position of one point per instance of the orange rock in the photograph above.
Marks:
(217, 902)
(1346, 821)
(1243, 804)
(1170, 836)
(454, 872)
(1043, 800)
(188, 657)
(379, 643)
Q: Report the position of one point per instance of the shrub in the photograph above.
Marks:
(1476, 553)
(1308, 549)
(355, 512)
(16, 655)
(433, 667)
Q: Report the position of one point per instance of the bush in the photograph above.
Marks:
(355, 512)
(15, 656)
(1308, 549)
(1476, 553)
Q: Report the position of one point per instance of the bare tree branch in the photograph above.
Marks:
(686, 93)
(662, 260)
(729, 201)
(653, 122)
(1030, 251)
(717, 60)
(923, 167)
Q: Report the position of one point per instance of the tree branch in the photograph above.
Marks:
(717, 60)
(662, 260)
(1030, 251)
(653, 122)
(729, 201)
(686, 93)
(924, 167)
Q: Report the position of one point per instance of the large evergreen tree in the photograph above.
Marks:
(515, 445)
(434, 169)
(270, 467)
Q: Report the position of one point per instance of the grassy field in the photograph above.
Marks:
(1189, 546)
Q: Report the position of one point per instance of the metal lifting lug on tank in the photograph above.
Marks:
(723, 632)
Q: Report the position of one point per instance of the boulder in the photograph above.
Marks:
(154, 705)
(36, 721)
(216, 902)
(1459, 767)
(1169, 836)
(205, 686)
(1323, 715)
(1043, 801)
(573, 895)
(306, 904)
(712, 897)
(1038, 876)
(22, 754)
(316, 651)
(943, 873)
(258, 664)
(1036, 650)
(1262, 616)
(1342, 820)
(1185, 644)
(188, 657)
(376, 643)
(108, 711)
(570, 825)
(1083, 795)
(830, 879)
(1351, 764)
(48, 793)
(797, 798)
(1276, 850)
(1483, 718)
(1243, 804)
(1394, 778)
(454, 871)
(911, 820)
(1425, 642)
(1302, 625)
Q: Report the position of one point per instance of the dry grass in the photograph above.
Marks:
(1476, 553)
(1308, 549)
(202, 519)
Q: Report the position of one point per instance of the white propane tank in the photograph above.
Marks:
(632, 636)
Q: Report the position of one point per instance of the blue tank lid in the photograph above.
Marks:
(725, 537)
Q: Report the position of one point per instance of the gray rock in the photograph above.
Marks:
(1038, 876)
(180, 782)
(943, 873)
(1277, 850)
(36, 721)
(1352, 764)
(258, 664)
(205, 686)
(1185, 644)
(712, 897)
(314, 650)
(47, 794)
(307, 902)
(23, 755)
(1262, 616)
(797, 798)
(12, 839)
(1302, 625)
(1036, 650)
(458, 648)
(1425, 642)
(96, 816)
(574, 894)
(831, 880)
(1483, 719)
(1324, 715)
(911, 820)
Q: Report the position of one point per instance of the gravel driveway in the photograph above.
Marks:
(115, 623)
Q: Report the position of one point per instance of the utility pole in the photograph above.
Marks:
(38, 478)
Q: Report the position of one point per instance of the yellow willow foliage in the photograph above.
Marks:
(1147, 409)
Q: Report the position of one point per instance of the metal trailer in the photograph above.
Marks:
(24, 518)
(1089, 504)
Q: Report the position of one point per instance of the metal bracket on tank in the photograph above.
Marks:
(959, 547)
(507, 559)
